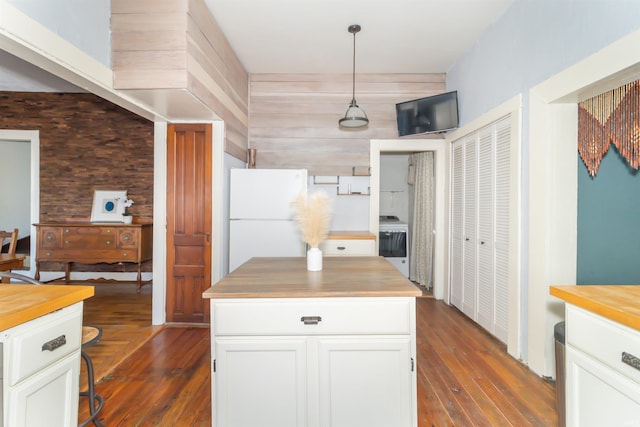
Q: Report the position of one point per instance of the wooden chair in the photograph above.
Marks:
(12, 237)
(90, 335)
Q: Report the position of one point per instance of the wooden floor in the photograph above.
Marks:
(465, 377)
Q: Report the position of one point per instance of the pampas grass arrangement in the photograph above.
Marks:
(313, 214)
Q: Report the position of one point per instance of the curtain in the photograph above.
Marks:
(422, 236)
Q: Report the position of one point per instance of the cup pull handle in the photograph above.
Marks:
(630, 360)
(54, 343)
(310, 320)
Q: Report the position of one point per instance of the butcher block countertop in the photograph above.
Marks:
(618, 303)
(289, 278)
(23, 303)
(351, 235)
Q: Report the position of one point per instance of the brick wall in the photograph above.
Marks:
(86, 144)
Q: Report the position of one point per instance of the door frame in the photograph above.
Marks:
(441, 161)
(159, 293)
(33, 138)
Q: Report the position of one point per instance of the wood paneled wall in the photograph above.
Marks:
(177, 45)
(86, 144)
(294, 117)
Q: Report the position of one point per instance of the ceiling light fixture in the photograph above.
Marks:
(355, 117)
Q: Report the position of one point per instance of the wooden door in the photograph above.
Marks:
(188, 222)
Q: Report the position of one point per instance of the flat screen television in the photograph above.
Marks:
(436, 113)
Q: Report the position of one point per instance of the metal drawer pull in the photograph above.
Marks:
(54, 343)
(310, 320)
(631, 360)
(341, 248)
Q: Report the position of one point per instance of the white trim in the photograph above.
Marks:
(552, 203)
(441, 162)
(33, 137)
(217, 196)
(159, 298)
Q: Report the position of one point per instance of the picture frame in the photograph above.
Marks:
(107, 206)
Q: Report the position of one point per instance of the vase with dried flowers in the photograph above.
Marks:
(313, 215)
(127, 218)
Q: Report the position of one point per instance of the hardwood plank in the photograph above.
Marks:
(465, 377)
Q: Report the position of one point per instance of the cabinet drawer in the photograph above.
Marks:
(276, 316)
(346, 247)
(43, 341)
(604, 340)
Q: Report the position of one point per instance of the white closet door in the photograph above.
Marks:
(502, 214)
(457, 226)
(470, 226)
(485, 308)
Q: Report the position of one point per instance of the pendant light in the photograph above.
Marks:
(355, 117)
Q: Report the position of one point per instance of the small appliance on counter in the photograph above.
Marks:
(394, 242)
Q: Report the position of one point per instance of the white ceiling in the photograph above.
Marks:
(310, 36)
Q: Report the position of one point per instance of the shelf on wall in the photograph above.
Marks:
(360, 171)
(319, 180)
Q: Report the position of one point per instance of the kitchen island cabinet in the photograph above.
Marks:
(602, 354)
(329, 348)
(349, 243)
(40, 340)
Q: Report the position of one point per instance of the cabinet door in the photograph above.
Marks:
(48, 398)
(597, 395)
(366, 381)
(457, 225)
(260, 382)
(485, 266)
(470, 222)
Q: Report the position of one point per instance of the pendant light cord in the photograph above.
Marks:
(353, 93)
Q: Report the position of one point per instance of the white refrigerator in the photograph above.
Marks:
(260, 214)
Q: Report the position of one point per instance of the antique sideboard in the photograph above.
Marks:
(93, 243)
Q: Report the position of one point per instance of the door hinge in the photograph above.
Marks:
(412, 364)
(213, 362)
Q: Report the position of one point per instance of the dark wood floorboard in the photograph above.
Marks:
(465, 378)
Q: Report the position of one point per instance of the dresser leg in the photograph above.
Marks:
(139, 284)
(37, 277)
(67, 272)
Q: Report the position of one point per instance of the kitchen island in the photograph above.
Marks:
(602, 354)
(40, 339)
(334, 347)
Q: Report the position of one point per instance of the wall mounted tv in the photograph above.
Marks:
(436, 113)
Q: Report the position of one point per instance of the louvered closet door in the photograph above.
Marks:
(457, 226)
(470, 226)
(502, 214)
(485, 308)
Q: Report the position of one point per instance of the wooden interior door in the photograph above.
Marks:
(188, 222)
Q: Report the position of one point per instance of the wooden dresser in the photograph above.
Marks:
(93, 243)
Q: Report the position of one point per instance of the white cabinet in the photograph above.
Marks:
(480, 226)
(602, 371)
(40, 370)
(348, 247)
(314, 362)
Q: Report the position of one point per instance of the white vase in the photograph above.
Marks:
(127, 219)
(314, 259)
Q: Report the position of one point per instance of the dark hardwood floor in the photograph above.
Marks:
(465, 377)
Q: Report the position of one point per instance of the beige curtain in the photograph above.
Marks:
(421, 257)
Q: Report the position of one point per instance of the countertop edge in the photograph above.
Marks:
(588, 303)
(40, 309)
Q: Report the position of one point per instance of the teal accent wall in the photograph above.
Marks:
(609, 223)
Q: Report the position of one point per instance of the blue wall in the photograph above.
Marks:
(609, 223)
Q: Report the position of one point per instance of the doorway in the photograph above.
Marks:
(26, 145)
(439, 148)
